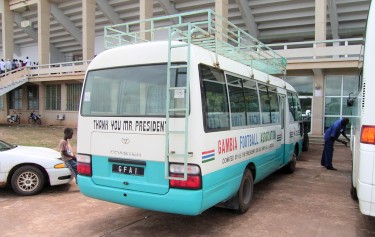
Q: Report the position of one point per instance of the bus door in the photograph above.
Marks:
(280, 137)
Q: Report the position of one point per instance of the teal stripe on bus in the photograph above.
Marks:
(217, 186)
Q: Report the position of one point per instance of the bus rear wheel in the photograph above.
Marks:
(245, 193)
(291, 166)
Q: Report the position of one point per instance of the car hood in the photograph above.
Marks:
(39, 152)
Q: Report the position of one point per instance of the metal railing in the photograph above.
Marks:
(211, 32)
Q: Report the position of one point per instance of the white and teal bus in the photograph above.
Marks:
(184, 131)
(363, 139)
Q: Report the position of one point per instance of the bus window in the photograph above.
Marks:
(178, 79)
(130, 91)
(294, 107)
(274, 103)
(252, 102)
(269, 104)
(291, 108)
(215, 98)
(237, 101)
(298, 110)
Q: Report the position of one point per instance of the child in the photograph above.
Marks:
(66, 151)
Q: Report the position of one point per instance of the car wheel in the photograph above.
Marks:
(27, 180)
(245, 193)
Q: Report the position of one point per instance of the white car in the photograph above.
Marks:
(27, 169)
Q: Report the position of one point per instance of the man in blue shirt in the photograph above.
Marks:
(330, 136)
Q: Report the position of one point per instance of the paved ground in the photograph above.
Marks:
(311, 202)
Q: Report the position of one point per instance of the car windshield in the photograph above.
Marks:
(6, 146)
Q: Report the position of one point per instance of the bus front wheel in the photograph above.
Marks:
(245, 193)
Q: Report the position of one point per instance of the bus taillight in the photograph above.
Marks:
(194, 178)
(368, 134)
(84, 164)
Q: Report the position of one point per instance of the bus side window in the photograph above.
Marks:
(252, 102)
(237, 101)
(298, 110)
(275, 112)
(291, 108)
(269, 104)
(216, 106)
(265, 104)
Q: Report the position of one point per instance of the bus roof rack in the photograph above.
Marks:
(208, 30)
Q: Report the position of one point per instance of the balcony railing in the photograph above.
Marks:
(12, 79)
(335, 50)
(59, 68)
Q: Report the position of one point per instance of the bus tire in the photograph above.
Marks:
(353, 193)
(291, 166)
(245, 192)
(305, 143)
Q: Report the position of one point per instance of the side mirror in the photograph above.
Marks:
(350, 101)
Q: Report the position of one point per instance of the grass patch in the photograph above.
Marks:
(27, 135)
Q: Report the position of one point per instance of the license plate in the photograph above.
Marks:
(128, 169)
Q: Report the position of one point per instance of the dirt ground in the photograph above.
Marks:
(313, 201)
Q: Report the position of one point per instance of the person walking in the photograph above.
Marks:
(2, 66)
(28, 62)
(67, 152)
(8, 65)
(330, 136)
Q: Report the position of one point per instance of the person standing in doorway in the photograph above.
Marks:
(67, 152)
(330, 136)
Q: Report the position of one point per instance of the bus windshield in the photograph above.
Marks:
(129, 91)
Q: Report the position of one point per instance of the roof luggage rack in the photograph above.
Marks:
(207, 30)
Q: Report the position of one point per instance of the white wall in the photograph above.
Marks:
(31, 51)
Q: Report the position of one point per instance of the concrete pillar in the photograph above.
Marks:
(64, 93)
(221, 9)
(6, 104)
(44, 9)
(25, 98)
(88, 29)
(8, 28)
(145, 12)
(320, 21)
(42, 99)
(317, 117)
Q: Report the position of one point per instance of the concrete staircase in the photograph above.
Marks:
(13, 79)
(316, 139)
(319, 140)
